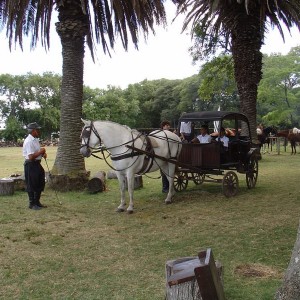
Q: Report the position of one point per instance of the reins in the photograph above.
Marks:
(148, 159)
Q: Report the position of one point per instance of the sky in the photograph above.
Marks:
(164, 55)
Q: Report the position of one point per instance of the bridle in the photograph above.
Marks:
(86, 135)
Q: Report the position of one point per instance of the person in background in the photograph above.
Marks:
(203, 137)
(33, 170)
(165, 125)
(224, 147)
(185, 131)
(223, 138)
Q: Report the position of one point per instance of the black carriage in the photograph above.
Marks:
(212, 162)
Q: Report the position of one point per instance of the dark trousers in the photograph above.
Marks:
(35, 181)
(165, 182)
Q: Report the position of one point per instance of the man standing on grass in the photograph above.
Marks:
(33, 170)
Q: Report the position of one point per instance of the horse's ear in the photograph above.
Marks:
(85, 121)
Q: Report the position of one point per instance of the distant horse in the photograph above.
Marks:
(263, 135)
(292, 135)
(122, 143)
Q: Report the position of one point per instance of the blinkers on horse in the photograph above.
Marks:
(85, 136)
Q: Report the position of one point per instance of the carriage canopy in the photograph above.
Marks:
(217, 119)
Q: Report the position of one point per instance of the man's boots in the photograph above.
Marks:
(32, 203)
(37, 197)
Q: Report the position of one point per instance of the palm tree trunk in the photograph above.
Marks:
(246, 45)
(69, 163)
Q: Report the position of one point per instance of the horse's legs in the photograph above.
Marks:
(130, 182)
(293, 146)
(121, 178)
(169, 170)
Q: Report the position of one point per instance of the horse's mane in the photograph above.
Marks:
(133, 131)
(296, 130)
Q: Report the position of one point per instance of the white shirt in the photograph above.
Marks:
(224, 139)
(204, 139)
(30, 146)
(185, 127)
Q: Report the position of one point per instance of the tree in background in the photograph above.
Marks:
(144, 93)
(112, 105)
(75, 28)
(239, 26)
(218, 85)
(279, 90)
(31, 98)
(14, 97)
(14, 131)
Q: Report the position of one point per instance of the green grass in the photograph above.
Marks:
(82, 249)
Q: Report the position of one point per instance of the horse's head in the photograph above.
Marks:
(270, 130)
(273, 130)
(89, 138)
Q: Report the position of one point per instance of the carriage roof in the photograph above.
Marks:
(213, 116)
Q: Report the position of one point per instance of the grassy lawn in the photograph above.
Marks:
(83, 249)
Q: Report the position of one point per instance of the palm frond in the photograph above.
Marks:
(107, 19)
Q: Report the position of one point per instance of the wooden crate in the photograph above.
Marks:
(195, 278)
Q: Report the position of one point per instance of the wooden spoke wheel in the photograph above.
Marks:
(180, 181)
(198, 178)
(252, 173)
(230, 184)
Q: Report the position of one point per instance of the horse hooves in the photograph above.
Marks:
(168, 202)
(130, 212)
(119, 210)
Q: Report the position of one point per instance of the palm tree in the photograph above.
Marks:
(79, 22)
(241, 25)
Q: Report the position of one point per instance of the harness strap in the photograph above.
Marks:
(123, 156)
(148, 160)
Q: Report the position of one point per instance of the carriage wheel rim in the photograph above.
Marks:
(198, 178)
(230, 184)
(180, 181)
(252, 174)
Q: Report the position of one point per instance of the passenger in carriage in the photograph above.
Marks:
(223, 138)
(203, 137)
(186, 131)
(224, 147)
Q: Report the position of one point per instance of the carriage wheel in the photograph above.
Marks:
(252, 173)
(180, 181)
(198, 178)
(230, 184)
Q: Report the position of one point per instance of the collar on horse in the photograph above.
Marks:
(148, 160)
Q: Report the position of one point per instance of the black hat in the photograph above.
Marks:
(34, 125)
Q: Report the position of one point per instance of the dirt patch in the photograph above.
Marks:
(257, 270)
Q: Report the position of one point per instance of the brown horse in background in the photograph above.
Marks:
(293, 138)
(263, 135)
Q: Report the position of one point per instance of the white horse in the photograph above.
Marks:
(120, 142)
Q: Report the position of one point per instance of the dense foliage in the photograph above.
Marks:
(31, 97)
